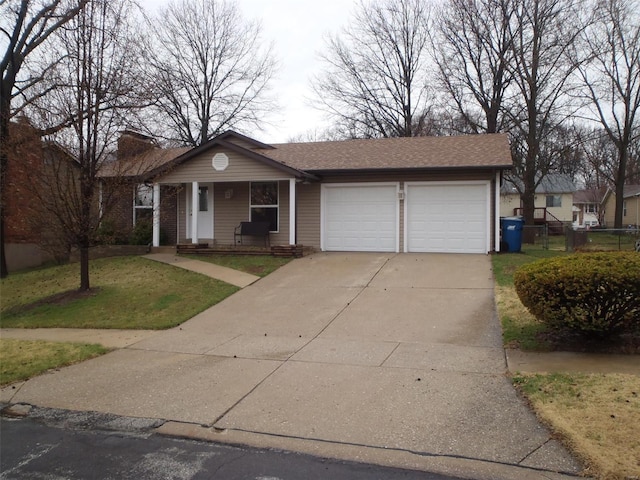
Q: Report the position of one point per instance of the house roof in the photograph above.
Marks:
(141, 164)
(306, 159)
(592, 195)
(631, 191)
(628, 192)
(551, 183)
(464, 151)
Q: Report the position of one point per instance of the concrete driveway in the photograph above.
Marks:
(389, 358)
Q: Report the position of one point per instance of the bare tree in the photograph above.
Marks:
(375, 82)
(472, 50)
(544, 35)
(611, 82)
(98, 89)
(24, 25)
(211, 69)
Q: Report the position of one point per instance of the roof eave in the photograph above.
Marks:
(368, 171)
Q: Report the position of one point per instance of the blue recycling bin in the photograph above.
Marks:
(512, 232)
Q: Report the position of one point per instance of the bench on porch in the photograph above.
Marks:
(252, 229)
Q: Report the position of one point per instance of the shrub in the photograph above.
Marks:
(591, 293)
(142, 233)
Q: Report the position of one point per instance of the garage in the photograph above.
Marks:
(360, 217)
(451, 217)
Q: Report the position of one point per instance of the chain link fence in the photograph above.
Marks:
(601, 239)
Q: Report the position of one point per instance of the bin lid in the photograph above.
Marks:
(513, 219)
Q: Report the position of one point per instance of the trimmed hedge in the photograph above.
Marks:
(591, 293)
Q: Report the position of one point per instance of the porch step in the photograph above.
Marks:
(295, 251)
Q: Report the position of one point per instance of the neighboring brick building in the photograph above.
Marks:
(29, 239)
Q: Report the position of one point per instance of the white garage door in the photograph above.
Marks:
(360, 218)
(447, 217)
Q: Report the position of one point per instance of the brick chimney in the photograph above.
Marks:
(132, 143)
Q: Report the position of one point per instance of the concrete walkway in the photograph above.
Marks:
(228, 275)
(390, 359)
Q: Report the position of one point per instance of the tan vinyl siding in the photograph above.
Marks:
(240, 168)
(308, 213)
(230, 212)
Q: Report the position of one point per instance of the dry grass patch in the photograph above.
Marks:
(23, 359)
(598, 417)
(520, 329)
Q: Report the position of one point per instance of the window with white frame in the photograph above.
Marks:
(624, 208)
(265, 203)
(591, 208)
(554, 201)
(143, 203)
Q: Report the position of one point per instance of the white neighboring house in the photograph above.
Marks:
(553, 198)
(587, 208)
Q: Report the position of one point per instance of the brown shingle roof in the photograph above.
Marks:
(142, 163)
(464, 151)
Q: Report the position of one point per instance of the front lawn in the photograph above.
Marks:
(259, 265)
(23, 359)
(127, 292)
(596, 416)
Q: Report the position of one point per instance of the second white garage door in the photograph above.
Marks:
(447, 217)
(360, 218)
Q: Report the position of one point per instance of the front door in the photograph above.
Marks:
(204, 210)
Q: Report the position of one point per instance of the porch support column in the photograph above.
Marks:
(292, 211)
(194, 212)
(496, 209)
(156, 214)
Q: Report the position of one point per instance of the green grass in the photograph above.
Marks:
(260, 265)
(130, 293)
(520, 329)
(22, 359)
(505, 264)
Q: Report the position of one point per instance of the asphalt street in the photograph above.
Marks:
(32, 449)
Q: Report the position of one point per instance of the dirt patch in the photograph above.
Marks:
(256, 270)
(59, 299)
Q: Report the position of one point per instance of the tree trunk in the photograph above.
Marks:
(5, 112)
(84, 268)
(621, 177)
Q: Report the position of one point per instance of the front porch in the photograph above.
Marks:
(295, 251)
(208, 213)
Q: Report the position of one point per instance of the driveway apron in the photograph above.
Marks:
(384, 352)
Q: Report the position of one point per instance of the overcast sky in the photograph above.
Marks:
(297, 28)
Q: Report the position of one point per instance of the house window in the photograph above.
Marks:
(264, 203)
(203, 199)
(591, 208)
(143, 203)
(624, 208)
(554, 201)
